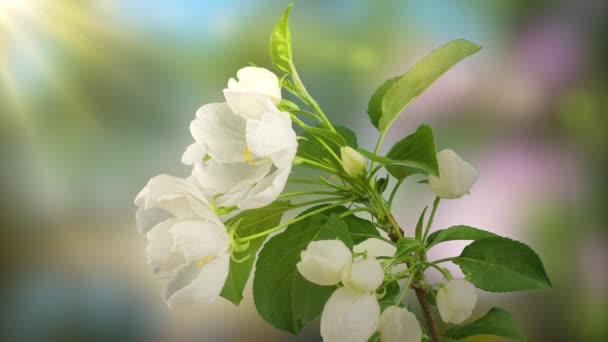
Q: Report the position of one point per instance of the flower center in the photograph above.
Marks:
(204, 260)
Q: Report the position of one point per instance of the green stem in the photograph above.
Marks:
(446, 274)
(297, 219)
(356, 210)
(317, 165)
(300, 85)
(305, 181)
(428, 226)
(303, 193)
(444, 260)
(406, 287)
(394, 192)
(317, 201)
(378, 146)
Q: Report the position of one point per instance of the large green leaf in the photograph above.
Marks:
(282, 296)
(251, 222)
(397, 94)
(310, 148)
(499, 264)
(457, 233)
(360, 229)
(374, 108)
(497, 322)
(418, 151)
(280, 44)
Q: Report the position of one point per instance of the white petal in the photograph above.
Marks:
(249, 105)
(158, 250)
(178, 196)
(257, 80)
(323, 261)
(273, 136)
(376, 248)
(456, 176)
(214, 178)
(349, 316)
(199, 240)
(399, 325)
(456, 301)
(193, 154)
(363, 276)
(194, 286)
(221, 131)
(146, 219)
(266, 191)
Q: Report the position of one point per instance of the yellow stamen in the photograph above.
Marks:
(247, 153)
(204, 260)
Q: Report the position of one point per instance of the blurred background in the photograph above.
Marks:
(96, 98)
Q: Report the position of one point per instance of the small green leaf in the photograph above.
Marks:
(280, 44)
(283, 297)
(374, 108)
(417, 79)
(360, 229)
(431, 296)
(310, 148)
(499, 264)
(457, 233)
(391, 293)
(418, 151)
(420, 224)
(327, 135)
(405, 246)
(252, 221)
(497, 322)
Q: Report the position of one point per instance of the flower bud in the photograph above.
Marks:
(364, 276)
(353, 162)
(349, 316)
(456, 300)
(323, 261)
(257, 80)
(456, 176)
(399, 325)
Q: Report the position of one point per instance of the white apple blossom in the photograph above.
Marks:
(255, 90)
(352, 162)
(456, 176)
(399, 325)
(349, 316)
(364, 276)
(375, 248)
(456, 300)
(250, 159)
(187, 242)
(323, 261)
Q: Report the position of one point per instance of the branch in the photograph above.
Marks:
(422, 295)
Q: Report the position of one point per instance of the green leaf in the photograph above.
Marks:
(283, 298)
(336, 227)
(457, 233)
(360, 229)
(406, 245)
(280, 44)
(310, 148)
(252, 221)
(420, 223)
(328, 135)
(374, 108)
(499, 264)
(497, 322)
(418, 151)
(417, 79)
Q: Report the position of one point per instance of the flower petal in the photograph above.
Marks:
(146, 219)
(199, 240)
(266, 190)
(193, 285)
(193, 154)
(222, 133)
(273, 136)
(249, 105)
(349, 316)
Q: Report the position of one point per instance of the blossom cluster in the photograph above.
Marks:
(241, 158)
(352, 313)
